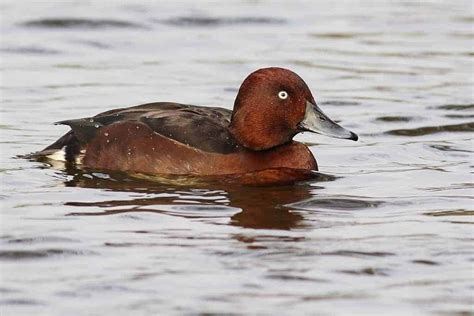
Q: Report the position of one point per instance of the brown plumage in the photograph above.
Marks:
(252, 144)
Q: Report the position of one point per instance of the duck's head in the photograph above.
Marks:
(275, 104)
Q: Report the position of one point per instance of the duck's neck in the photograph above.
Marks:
(257, 137)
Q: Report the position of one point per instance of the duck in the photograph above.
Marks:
(253, 143)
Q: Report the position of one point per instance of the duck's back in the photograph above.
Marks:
(203, 128)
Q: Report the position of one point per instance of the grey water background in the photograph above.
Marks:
(388, 231)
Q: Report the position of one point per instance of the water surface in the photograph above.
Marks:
(387, 230)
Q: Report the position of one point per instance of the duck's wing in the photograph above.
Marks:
(203, 128)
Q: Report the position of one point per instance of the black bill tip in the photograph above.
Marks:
(354, 137)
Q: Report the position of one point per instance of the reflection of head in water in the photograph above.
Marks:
(265, 207)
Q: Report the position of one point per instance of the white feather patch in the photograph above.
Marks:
(59, 155)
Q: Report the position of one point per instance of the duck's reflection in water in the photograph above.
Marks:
(265, 207)
(245, 206)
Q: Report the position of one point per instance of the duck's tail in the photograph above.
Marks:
(66, 148)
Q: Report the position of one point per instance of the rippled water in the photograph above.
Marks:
(387, 229)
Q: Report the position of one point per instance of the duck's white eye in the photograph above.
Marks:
(283, 95)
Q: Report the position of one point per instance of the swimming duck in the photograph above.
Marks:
(253, 143)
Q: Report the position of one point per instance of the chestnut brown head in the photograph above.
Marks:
(275, 104)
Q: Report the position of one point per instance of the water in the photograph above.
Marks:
(388, 230)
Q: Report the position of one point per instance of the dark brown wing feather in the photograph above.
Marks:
(204, 128)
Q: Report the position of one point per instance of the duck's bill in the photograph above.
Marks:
(316, 121)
